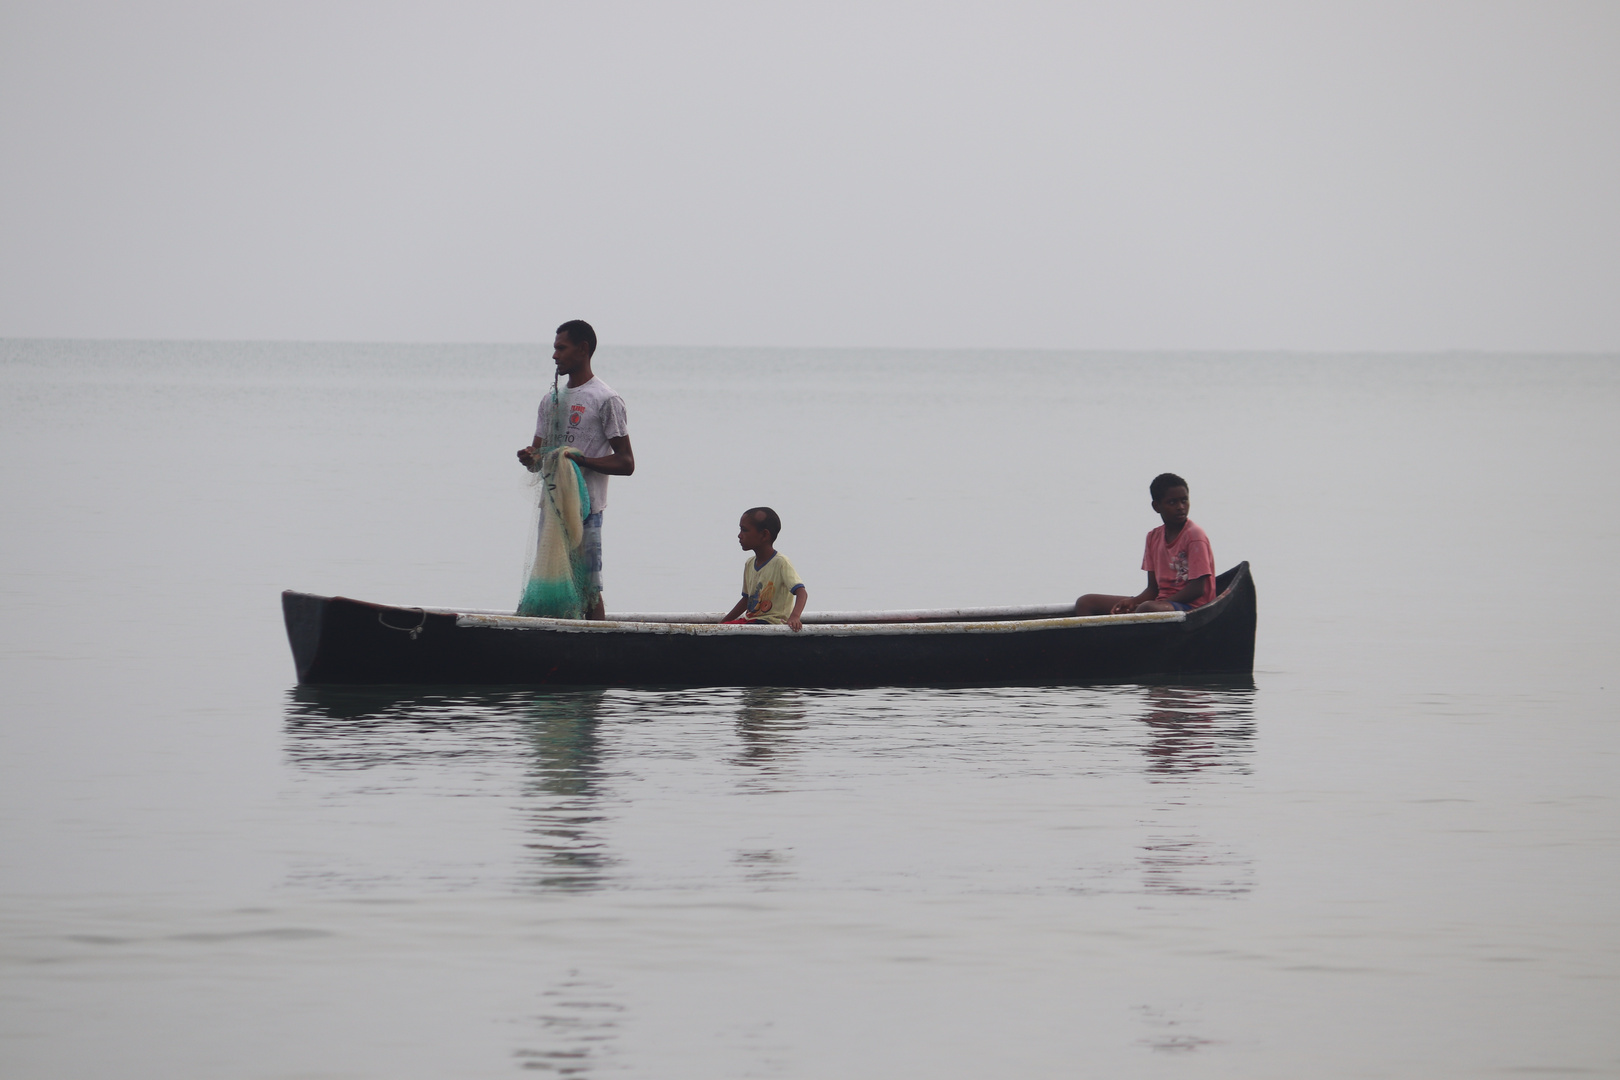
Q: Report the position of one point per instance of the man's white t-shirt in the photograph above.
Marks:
(593, 415)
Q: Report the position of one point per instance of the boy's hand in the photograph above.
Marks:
(801, 596)
(1124, 607)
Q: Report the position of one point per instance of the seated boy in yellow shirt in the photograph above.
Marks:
(768, 577)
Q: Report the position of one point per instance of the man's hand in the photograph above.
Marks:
(531, 456)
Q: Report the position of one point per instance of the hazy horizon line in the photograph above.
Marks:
(1082, 349)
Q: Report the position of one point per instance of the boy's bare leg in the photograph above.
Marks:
(1099, 603)
(598, 610)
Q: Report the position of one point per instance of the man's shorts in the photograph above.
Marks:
(592, 545)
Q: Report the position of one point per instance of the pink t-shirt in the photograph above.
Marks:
(1183, 562)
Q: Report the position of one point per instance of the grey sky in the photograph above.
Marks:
(1354, 175)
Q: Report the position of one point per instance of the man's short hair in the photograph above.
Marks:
(1163, 483)
(765, 518)
(579, 332)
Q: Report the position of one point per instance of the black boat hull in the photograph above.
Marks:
(340, 641)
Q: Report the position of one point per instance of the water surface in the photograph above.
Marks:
(1395, 854)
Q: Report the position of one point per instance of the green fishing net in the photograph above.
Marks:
(558, 584)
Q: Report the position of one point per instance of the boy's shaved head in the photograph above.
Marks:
(763, 517)
(1163, 483)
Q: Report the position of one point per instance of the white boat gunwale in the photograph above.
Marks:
(712, 626)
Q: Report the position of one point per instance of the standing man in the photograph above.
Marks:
(594, 425)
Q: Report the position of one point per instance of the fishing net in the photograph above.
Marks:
(558, 584)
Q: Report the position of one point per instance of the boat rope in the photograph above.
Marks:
(411, 630)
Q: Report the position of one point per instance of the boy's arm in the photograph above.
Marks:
(800, 595)
(741, 606)
(1192, 592)
(1140, 598)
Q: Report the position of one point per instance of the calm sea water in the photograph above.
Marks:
(1396, 855)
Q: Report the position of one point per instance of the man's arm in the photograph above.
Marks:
(800, 595)
(528, 456)
(622, 462)
(742, 605)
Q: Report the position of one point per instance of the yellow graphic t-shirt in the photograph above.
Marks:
(769, 590)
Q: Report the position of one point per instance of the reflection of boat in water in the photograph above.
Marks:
(1194, 733)
(337, 640)
(1198, 728)
(551, 736)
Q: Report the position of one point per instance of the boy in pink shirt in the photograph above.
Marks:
(1179, 563)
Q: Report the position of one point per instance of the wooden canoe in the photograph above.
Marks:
(340, 641)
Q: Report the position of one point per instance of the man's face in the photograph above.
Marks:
(1173, 506)
(568, 357)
